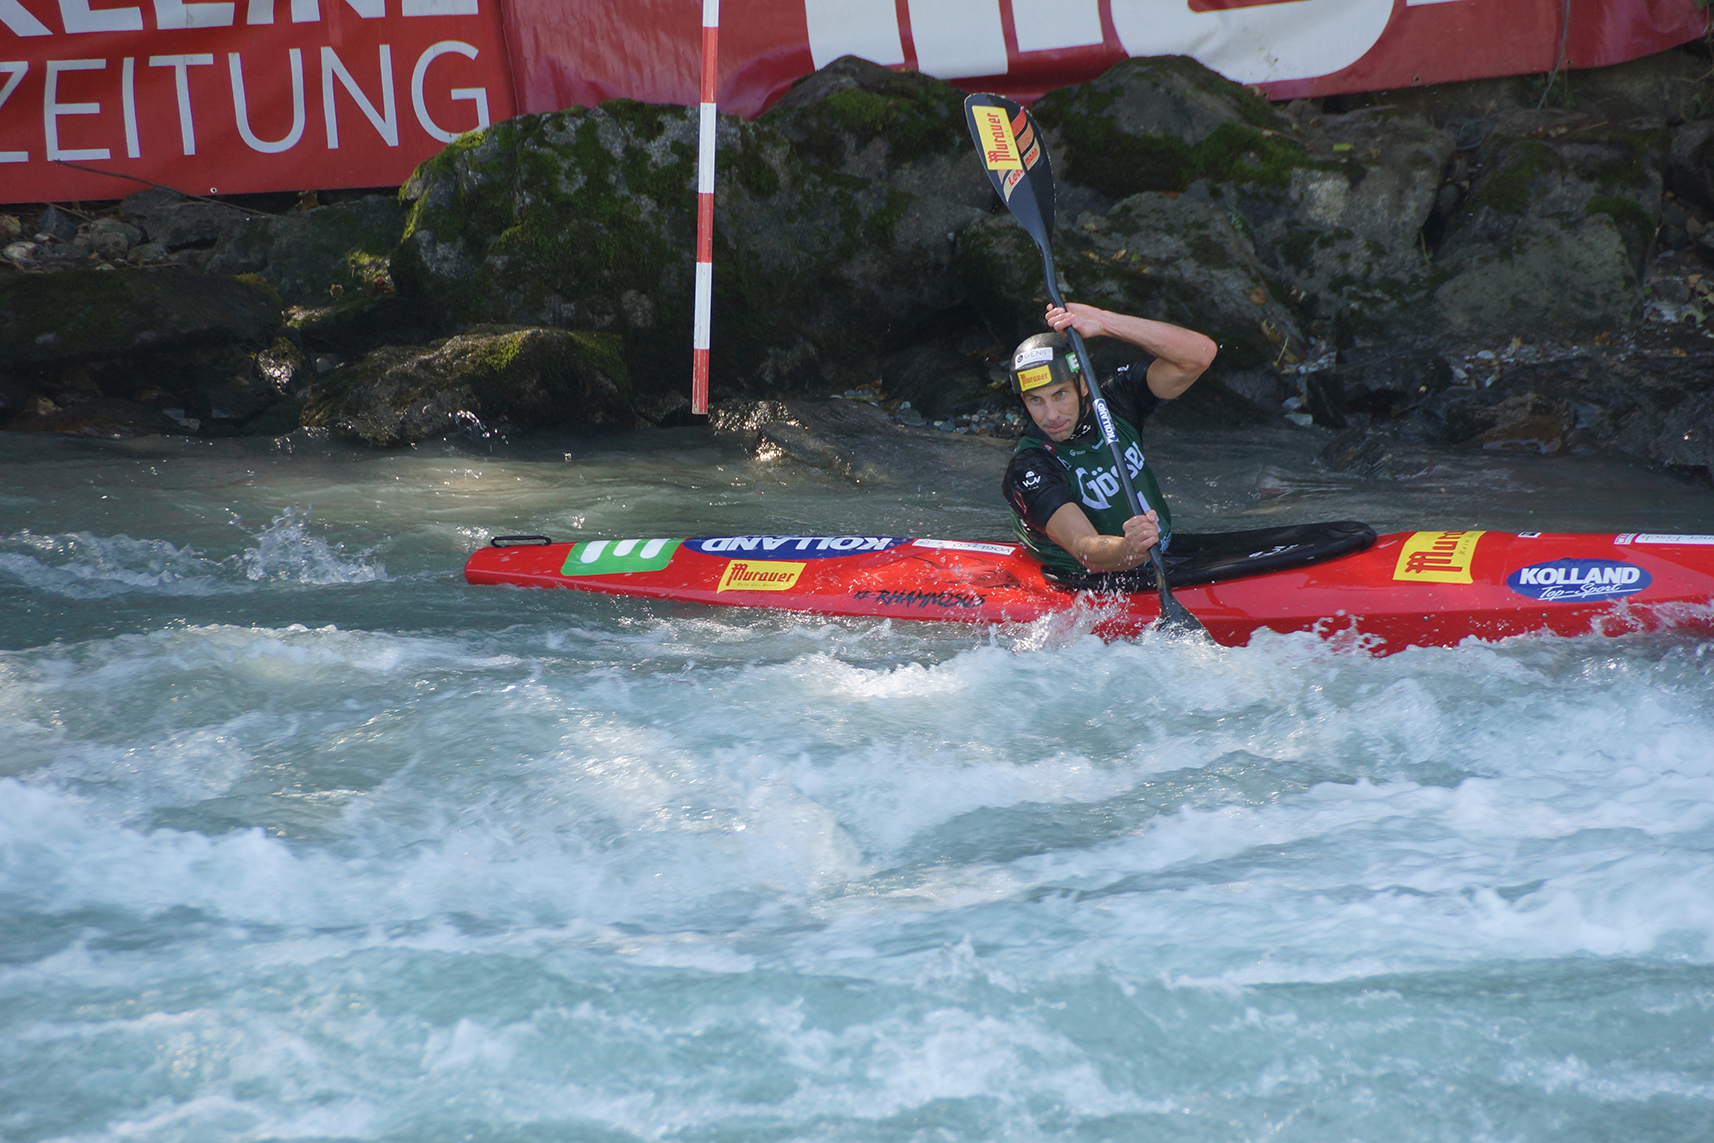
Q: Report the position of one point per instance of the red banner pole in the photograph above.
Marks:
(705, 210)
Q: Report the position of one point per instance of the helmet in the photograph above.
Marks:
(1045, 359)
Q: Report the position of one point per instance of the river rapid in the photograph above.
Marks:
(303, 838)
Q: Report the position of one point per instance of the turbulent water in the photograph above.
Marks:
(300, 837)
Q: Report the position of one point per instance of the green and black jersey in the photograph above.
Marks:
(1044, 476)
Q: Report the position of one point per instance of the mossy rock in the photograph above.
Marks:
(1162, 123)
(585, 219)
(304, 254)
(492, 375)
(1178, 260)
(87, 314)
(1548, 276)
(904, 128)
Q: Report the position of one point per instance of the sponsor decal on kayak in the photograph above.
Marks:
(1674, 538)
(612, 557)
(759, 575)
(1575, 579)
(1437, 557)
(797, 547)
(920, 599)
(999, 146)
(967, 545)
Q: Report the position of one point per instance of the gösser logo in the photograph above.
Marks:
(1578, 579)
(794, 547)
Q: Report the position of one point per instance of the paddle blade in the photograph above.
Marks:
(1012, 151)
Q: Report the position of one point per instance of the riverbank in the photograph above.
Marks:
(1459, 267)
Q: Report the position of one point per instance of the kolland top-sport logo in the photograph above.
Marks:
(1575, 580)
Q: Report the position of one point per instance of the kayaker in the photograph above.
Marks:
(1067, 506)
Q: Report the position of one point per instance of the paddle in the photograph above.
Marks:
(1010, 145)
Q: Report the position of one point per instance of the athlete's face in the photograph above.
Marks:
(1054, 408)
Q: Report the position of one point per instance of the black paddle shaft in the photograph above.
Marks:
(1019, 169)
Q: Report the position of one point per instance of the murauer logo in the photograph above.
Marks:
(759, 575)
(1575, 580)
(999, 146)
(1437, 557)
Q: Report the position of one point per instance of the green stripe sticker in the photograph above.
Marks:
(610, 557)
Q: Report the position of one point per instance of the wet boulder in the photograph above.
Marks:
(903, 128)
(487, 378)
(1554, 234)
(1171, 258)
(315, 256)
(1690, 163)
(585, 219)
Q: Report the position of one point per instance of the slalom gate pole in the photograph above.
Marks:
(705, 210)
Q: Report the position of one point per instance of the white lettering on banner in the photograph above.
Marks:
(262, 12)
(78, 17)
(241, 108)
(175, 15)
(181, 66)
(866, 28)
(387, 123)
(439, 8)
(369, 9)
(1043, 25)
(957, 38)
(1298, 39)
(16, 69)
(128, 101)
(52, 109)
(478, 95)
(18, 18)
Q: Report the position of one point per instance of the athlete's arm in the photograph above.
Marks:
(1070, 529)
(1180, 354)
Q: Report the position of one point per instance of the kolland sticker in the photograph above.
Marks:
(1575, 580)
(1437, 557)
(1035, 356)
(1034, 378)
(794, 547)
(999, 145)
(759, 575)
(612, 557)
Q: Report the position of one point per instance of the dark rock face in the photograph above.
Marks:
(585, 219)
(83, 314)
(490, 376)
(306, 254)
(173, 220)
(1555, 232)
(1177, 259)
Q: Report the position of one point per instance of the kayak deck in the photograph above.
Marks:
(1404, 589)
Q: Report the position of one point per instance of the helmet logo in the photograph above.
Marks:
(1035, 356)
(1034, 378)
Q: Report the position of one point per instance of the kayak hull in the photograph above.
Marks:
(1407, 589)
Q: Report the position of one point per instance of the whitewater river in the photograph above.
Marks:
(302, 838)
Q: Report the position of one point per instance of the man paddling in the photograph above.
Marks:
(1066, 502)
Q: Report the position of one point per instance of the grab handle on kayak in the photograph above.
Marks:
(517, 541)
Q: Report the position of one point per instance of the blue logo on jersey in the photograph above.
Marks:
(793, 547)
(1576, 580)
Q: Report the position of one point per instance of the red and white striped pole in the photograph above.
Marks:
(705, 210)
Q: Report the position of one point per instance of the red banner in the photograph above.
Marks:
(227, 96)
(230, 96)
(584, 51)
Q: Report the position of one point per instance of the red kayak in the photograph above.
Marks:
(1336, 580)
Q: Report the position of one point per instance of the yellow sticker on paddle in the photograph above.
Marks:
(999, 145)
(1437, 557)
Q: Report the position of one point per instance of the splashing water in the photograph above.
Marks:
(312, 851)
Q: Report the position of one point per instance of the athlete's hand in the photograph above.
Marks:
(1142, 533)
(1087, 319)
